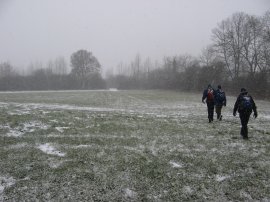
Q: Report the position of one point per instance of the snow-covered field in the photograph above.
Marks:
(129, 146)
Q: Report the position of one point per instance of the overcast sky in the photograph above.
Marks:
(113, 30)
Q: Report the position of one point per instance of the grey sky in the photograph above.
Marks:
(113, 30)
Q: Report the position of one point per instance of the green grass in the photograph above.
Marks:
(129, 146)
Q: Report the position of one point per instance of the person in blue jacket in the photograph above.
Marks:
(208, 96)
(220, 101)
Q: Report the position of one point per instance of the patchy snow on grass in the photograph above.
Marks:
(220, 178)
(19, 112)
(27, 127)
(14, 133)
(82, 146)
(187, 189)
(128, 193)
(54, 121)
(237, 144)
(176, 165)
(55, 163)
(32, 126)
(61, 129)
(153, 148)
(18, 146)
(41, 106)
(49, 149)
(199, 148)
(245, 195)
(265, 116)
(4, 127)
(129, 145)
(134, 149)
(4, 183)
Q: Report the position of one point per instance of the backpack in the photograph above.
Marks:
(245, 103)
(210, 95)
(220, 96)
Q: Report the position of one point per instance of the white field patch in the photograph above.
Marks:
(238, 145)
(61, 129)
(82, 146)
(49, 149)
(247, 195)
(160, 111)
(5, 182)
(220, 178)
(176, 164)
(55, 163)
(28, 107)
(19, 112)
(27, 127)
(31, 126)
(267, 117)
(18, 146)
(138, 149)
(14, 133)
(128, 193)
(187, 189)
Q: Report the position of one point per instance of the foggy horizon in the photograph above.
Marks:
(39, 31)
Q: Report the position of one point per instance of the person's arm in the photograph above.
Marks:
(225, 100)
(215, 96)
(236, 106)
(254, 107)
(204, 96)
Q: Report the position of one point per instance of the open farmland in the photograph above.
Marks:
(129, 146)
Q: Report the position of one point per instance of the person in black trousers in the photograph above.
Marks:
(244, 105)
(208, 95)
(220, 101)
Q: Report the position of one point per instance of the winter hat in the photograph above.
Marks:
(243, 90)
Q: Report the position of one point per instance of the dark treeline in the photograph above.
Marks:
(192, 77)
(85, 74)
(239, 56)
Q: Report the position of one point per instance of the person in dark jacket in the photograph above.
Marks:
(220, 101)
(245, 105)
(208, 95)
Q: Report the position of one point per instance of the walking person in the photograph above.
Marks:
(244, 105)
(220, 101)
(208, 95)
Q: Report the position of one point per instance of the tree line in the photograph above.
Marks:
(239, 56)
(85, 74)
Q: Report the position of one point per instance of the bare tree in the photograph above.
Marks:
(6, 70)
(229, 41)
(83, 65)
(208, 56)
(148, 66)
(60, 66)
(136, 66)
(183, 62)
(252, 44)
(264, 60)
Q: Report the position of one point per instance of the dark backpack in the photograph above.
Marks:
(210, 95)
(246, 103)
(220, 96)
